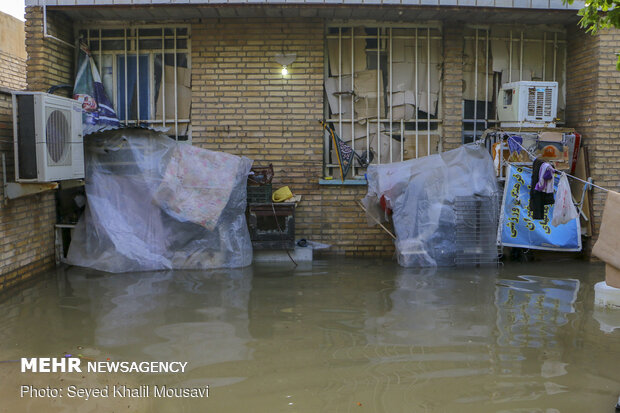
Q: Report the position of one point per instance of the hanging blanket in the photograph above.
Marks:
(98, 112)
(197, 184)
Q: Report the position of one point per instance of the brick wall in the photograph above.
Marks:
(593, 105)
(452, 96)
(27, 224)
(12, 71)
(242, 105)
(50, 62)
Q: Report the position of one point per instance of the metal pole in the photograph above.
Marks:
(176, 96)
(378, 95)
(555, 53)
(402, 139)
(476, 88)
(126, 103)
(391, 97)
(428, 90)
(510, 60)
(100, 56)
(417, 98)
(486, 83)
(367, 137)
(544, 73)
(162, 85)
(340, 82)
(137, 40)
(352, 89)
(521, 59)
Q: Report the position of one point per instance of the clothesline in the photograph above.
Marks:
(533, 157)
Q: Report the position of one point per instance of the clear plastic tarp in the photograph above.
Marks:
(432, 198)
(154, 204)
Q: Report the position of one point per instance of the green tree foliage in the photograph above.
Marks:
(599, 14)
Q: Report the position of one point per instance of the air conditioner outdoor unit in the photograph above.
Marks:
(48, 142)
(528, 104)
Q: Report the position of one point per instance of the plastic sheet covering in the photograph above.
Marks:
(154, 204)
(422, 193)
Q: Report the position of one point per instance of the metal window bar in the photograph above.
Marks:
(176, 95)
(352, 97)
(125, 81)
(391, 97)
(340, 82)
(162, 86)
(378, 96)
(384, 38)
(417, 96)
(522, 43)
(137, 76)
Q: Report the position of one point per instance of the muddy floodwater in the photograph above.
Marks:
(342, 335)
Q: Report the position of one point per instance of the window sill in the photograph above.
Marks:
(346, 182)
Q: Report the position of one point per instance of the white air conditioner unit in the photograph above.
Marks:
(47, 136)
(528, 104)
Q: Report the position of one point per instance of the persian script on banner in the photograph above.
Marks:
(518, 228)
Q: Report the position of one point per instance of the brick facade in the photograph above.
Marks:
(593, 99)
(12, 71)
(50, 63)
(241, 104)
(27, 224)
(452, 96)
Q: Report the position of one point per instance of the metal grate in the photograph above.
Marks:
(145, 70)
(57, 134)
(383, 84)
(502, 54)
(476, 230)
(548, 102)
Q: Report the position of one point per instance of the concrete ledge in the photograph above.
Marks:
(341, 182)
(299, 254)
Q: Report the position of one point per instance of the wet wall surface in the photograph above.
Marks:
(343, 335)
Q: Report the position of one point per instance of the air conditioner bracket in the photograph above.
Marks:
(14, 190)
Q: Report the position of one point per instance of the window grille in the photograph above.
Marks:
(146, 72)
(502, 54)
(382, 89)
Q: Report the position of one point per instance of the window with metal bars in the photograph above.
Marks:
(382, 88)
(495, 55)
(146, 72)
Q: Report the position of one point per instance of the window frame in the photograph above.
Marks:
(517, 43)
(132, 38)
(428, 33)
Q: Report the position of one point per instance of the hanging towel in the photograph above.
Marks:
(538, 199)
(545, 178)
(98, 112)
(514, 144)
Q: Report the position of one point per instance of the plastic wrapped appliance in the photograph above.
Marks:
(154, 204)
(431, 199)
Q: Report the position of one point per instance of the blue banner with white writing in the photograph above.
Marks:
(519, 229)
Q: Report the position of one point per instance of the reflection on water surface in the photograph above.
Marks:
(341, 335)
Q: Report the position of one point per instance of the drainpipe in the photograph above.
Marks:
(49, 36)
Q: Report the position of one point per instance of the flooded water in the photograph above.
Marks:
(342, 335)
